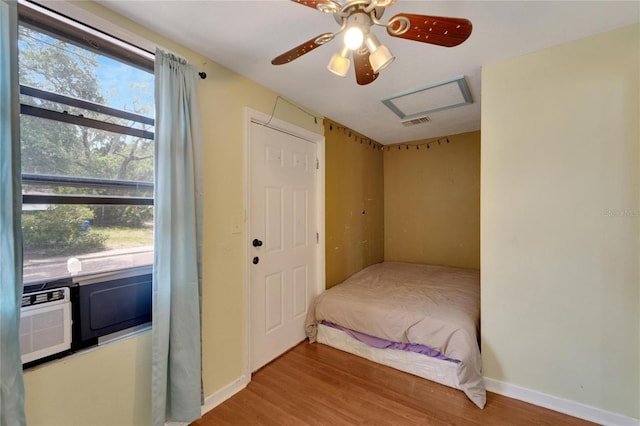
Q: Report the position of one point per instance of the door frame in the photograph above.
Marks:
(318, 139)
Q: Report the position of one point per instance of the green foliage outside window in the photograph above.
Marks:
(61, 229)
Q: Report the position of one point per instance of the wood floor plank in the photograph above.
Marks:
(316, 385)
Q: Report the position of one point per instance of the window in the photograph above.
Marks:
(87, 116)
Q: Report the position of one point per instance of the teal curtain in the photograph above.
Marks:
(11, 385)
(176, 338)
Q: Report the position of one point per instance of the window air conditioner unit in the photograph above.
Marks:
(45, 324)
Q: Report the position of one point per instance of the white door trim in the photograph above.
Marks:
(283, 126)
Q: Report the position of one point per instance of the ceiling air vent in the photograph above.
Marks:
(415, 121)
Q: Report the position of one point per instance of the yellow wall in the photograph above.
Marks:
(354, 224)
(432, 202)
(108, 386)
(560, 221)
(111, 385)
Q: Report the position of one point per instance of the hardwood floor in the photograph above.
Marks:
(314, 384)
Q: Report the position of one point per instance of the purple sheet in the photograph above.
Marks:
(379, 343)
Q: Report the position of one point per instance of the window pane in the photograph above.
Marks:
(55, 148)
(101, 238)
(57, 66)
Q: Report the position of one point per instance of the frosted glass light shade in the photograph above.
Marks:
(380, 58)
(339, 65)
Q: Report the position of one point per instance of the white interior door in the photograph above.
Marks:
(283, 240)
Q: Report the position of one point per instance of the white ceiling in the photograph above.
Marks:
(245, 35)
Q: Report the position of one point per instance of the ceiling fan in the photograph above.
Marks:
(356, 17)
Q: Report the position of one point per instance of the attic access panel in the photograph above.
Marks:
(424, 100)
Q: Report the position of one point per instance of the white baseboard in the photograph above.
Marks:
(225, 393)
(565, 406)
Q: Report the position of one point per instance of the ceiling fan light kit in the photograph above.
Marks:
(356, 35)
(356, 17)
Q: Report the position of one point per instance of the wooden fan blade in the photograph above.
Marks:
(438, 30)
(362, 66)
(300, 50)
(324, 4)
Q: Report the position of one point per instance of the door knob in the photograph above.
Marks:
(257, 243)
(256, 260)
